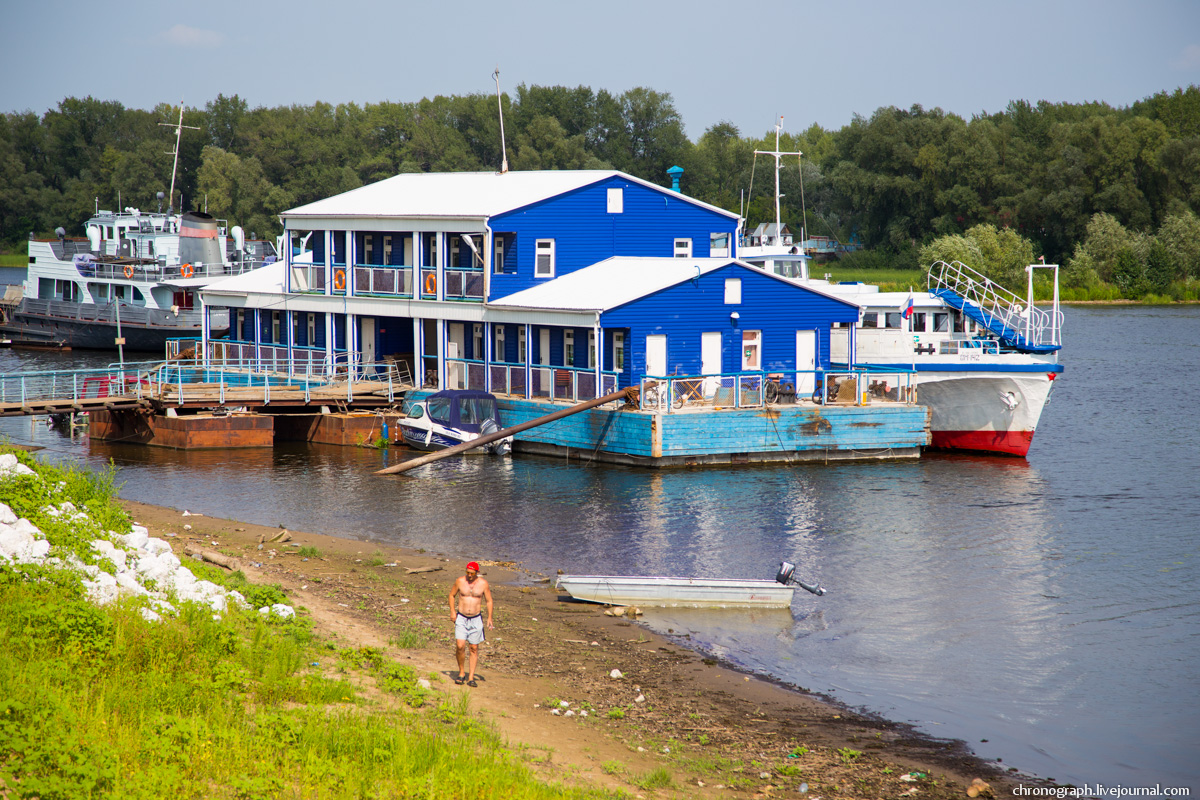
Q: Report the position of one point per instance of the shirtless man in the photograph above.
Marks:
(468, 618)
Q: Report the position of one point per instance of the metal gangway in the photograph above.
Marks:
(1016, 323)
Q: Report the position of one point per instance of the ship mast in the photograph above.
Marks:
(179, 126)
(778, 166)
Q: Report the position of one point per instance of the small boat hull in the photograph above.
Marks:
(677, 592)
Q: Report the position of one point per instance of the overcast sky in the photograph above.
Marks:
(744, 62)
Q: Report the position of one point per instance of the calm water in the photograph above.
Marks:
(1049, 606)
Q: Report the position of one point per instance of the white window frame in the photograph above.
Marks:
(548, 247)
(368, 248)
(311, 341)
(569, 347)
(591, 349)
(618, 351)
(498, 255)
(521, 344)
(733, 291)
(477, 341)
(498, 353)
(387, 249)
(718, 252)
(683, 248)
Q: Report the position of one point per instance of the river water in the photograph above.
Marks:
(1045, 611)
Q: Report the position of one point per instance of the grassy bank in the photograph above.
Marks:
(97, 702)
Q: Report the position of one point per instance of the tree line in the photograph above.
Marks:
(1057, 175)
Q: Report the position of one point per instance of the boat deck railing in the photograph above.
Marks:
(106, 313)
(540, 382)
(858, 387)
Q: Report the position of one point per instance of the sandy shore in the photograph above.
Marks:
(716, 731)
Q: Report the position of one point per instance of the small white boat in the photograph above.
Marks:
(697, 592)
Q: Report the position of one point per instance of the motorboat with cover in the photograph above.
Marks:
(451, 417)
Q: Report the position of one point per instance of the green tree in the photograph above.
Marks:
(1180, 235)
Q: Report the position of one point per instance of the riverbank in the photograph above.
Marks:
(699, 729)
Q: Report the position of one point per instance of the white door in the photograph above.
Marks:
(457, 346)
(367, 339)
(710, 360)
(547, 376)
(656, 355)
(751, 347)
(806, 359)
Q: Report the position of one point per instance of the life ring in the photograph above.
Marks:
(128, 270)
(431, 283)
(187, 271)
(339, 279)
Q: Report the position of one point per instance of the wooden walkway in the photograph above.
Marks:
(357, 395)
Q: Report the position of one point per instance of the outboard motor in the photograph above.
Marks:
(786, 576)
(499, 447)
(198, 240)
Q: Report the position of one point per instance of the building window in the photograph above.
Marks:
(683, 248)
(718, 245)
(311, 341)
(544, 265)
(275, 327)
(733, 291)
(569, 347)
(616, 201)
(387, 249)
(454, 252)
(499, 354)
(591, 349)
(498, 255)
(368, 249)
(477, 341)
(521, 344)
(619, 351)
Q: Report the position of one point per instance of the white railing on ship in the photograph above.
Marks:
(1037, 326)
(130, 315)
(670, 393)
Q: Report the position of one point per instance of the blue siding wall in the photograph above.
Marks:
(684, 311)
(585, 233)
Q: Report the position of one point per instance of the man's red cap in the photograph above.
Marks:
(473, 565)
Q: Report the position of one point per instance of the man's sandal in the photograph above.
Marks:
(472, 683)
(458, 680)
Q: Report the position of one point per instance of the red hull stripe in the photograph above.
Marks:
(197, 233)
(1012, 443)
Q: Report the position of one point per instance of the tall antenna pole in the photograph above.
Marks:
(179, 126)
(777, 154)
(503, 149)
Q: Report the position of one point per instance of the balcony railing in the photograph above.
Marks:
(386, 281)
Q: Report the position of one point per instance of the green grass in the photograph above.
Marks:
(97, 702)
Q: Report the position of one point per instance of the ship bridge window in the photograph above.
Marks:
(893, 319)
(918, 322)
(870, 319)
(941, 322)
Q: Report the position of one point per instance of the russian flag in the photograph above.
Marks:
(907, 309)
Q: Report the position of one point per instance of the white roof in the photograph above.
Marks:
(268, 279)
(616, 281)
(461, 194)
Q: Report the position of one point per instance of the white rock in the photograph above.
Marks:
(283, 610)
(219, 603)
(583, 713)
(237, 598)
(183, 577)
(424, 683)
(137, 538)
(555, 712)
(150, 615)
(641, 698)
(135, 528)
(34, 552)
(163, 607)
(169, 560)
(208, 588)
(8, 461)
(187, 527)
(569, 714)
(129, 584)
(25, 526)
(563, 703)
(100, 593)
(7, 515)
(156, 546)
(616, 673)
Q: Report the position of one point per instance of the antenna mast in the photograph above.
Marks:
(777, 155)
(179, 126)
(503, 149)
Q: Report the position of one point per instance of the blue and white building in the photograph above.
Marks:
(535, 286)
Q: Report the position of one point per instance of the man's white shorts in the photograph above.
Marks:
(469, 628)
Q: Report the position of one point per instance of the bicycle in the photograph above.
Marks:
(687, 391)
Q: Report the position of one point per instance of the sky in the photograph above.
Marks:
(821, 62)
